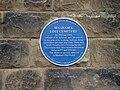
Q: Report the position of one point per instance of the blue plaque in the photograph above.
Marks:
(63, 41)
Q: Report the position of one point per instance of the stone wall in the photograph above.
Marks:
(22, 65)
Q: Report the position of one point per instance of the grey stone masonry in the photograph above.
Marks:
(22, 64)
(24, 24)
(29, 25)
(87, 5)
(60, 79)
(105, 52)
(6, 5)
(1, 29)
(101, 52)
(26, 79)
(82, 79)
(0, 80)
(60, 5)
(14, 53)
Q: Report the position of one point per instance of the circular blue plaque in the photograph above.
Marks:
(63, 41)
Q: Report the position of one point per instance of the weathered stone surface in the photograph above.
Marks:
(24, 24)
(100, 24)
(36, 55)
(6, 4)
(72, 5)
(91, 5)
(67, 5)
(1, 30)
(105, 52)
(30, 24)
(82, 79)
(14, 53)
(1, 80)
(40, 61)
(38, 4)
(105, 5)
(23, 80)
(19, 5)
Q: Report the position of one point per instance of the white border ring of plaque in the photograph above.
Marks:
(63, 41)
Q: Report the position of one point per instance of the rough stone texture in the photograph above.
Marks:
(6, 4)
(105, 5)
(14, 53)
(1, 30)
(72, 5)
(105, 52)
(30, 24)
(36, 55)
(39, 60)
(82, 79)
(23, 80)
(100, 24)
(21, 59)
(38, 4)
(87, 5)
(19, 5)
(24, 24)
(58, 5)
(0, 80)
